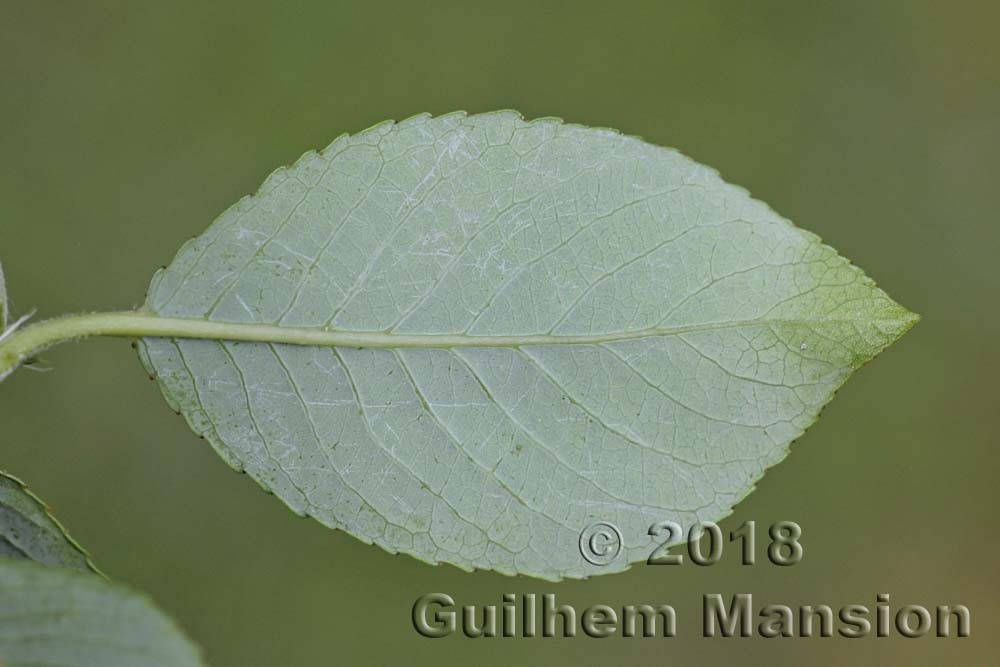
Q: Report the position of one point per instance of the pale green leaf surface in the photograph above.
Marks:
(55, 612)
(4, 308)
(28, 531)
(714, 330)
(54, 617)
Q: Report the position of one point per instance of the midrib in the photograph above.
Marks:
(141, 324)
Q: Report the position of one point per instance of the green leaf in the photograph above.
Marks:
(54, 611)
(555, 325)
(4, 308)
(28, 531)
(55, 616)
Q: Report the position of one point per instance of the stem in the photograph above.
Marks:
(18, 346)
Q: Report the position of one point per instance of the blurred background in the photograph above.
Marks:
(127, 127)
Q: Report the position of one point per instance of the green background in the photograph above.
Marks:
(126, 127)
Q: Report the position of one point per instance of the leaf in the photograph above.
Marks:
(54, 611)
(55, 616)
(28, 531)
(555, 325)
(4, 308)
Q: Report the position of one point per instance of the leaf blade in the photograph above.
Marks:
(727, 330)
(55, 612)
(4, 307)
(29, 531)
(53, 615)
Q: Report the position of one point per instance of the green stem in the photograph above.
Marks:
(18, 346)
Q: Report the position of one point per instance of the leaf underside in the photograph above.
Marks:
(56, 616)
(4, 308)
(56, 610)
(28, 531)
(721, 331)
(3, 302)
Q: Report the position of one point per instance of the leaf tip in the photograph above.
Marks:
(907, 320)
